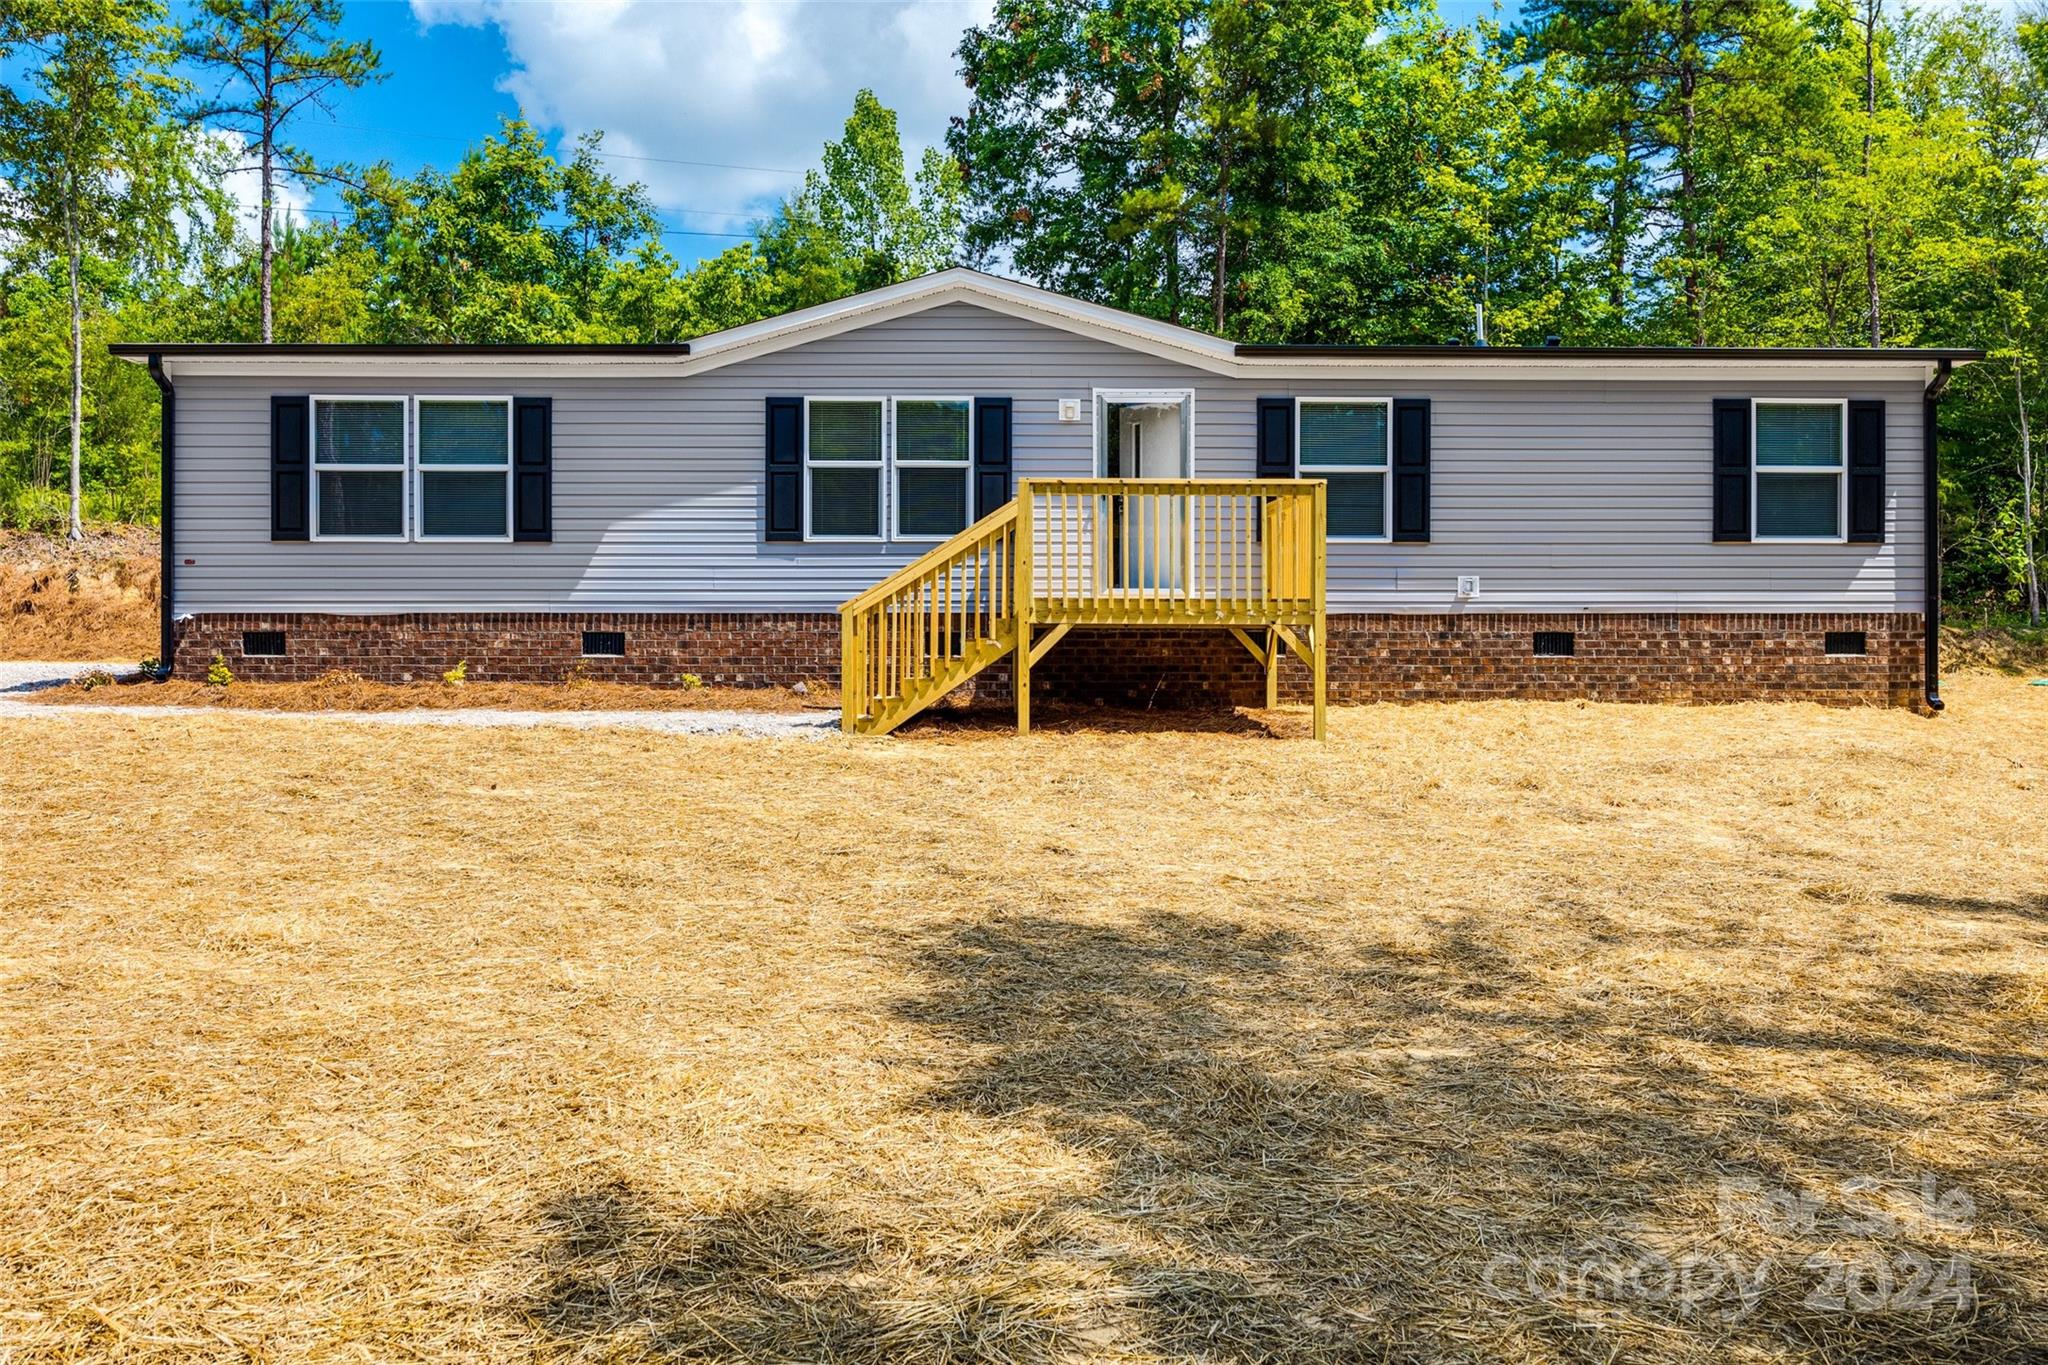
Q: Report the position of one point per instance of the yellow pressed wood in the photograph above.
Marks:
(1245, 555)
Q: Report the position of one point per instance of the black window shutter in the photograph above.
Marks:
(785, 469)
(992, 466)
(1276, 438)
(291, 474)
(533, 469)
(1731, 469)
(1411, 469)
(1866, 471)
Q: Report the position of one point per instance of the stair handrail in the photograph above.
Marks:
(931, 559)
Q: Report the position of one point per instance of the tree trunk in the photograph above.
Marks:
(71, 251)
(267, 100)
(1871, 11)
(1222, 227)
(2033, 570)
(1688, 197)
(263, 231)
(1617, 226)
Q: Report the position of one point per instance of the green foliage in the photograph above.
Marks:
(1720, 171)
(38, 509)
(458, 675)
(690, 682)
(93, 170)
(275, 56)
(218, 674)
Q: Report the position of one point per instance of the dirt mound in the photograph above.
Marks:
(96, 599)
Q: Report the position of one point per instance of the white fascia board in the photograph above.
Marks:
(414, 367)
(1399, 370)
(958, 285)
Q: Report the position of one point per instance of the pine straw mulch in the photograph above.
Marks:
(1993, 648)
(1483, 1032)
(93, 600)
(343, 691)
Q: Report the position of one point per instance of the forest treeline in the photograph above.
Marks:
(1720, 172)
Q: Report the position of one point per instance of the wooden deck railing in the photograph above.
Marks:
(1172, 552)
(1246, 554)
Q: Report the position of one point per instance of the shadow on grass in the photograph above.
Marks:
(1310, 1158)
(775, 1277)
(1067, 718)
(1304, 1147)
(2033, 907)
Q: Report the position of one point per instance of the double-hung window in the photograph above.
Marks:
(934, 466)
(427, 468)
(359, 463)
(900, 468)
(1349, 443)
(1799, 474)
(464, 468)
(843, 468)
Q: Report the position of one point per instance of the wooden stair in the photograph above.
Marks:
(1243, 555)
(929, 627)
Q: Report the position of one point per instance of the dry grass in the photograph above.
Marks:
(1993, 649)
(351, 1043)
(341, 691)
(93, 600)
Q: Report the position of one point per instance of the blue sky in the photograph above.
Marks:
(717, 106)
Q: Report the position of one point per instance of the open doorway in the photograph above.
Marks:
(1142, 435)
(1145, 436)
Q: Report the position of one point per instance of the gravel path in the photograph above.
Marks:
(17, 678)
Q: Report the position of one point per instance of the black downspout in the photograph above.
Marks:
(167, 643)
(1930, 462)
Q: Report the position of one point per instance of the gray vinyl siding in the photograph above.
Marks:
(1561, 494)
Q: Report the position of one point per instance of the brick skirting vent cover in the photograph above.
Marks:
(604, 644)
(263, 644)
(1556, 644)
(1847, 642)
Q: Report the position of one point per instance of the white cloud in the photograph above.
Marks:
(758, 84)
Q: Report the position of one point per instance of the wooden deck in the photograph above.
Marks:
(1243, 555)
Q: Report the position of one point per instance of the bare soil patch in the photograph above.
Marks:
(1458, 1037)
(96, 599)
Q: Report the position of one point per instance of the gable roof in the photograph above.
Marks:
(959, 284)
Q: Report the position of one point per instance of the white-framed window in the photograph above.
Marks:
(1349, 442)
(1799, 483)
(462, 468)
(843, 462)
(931, 450)
(359, 444)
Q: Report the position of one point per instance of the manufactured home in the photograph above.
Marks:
(962, 479)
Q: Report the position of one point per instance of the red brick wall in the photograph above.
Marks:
(1375, 657)
(737, 649)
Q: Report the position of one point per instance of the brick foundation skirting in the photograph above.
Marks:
(1692, 657)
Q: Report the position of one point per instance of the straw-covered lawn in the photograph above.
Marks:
(1494, 1032)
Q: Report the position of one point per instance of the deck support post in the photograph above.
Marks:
(1021, 595)
(1272, 668)
(1319, 587)
(853, 666)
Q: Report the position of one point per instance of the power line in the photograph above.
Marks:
(676, 228)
